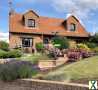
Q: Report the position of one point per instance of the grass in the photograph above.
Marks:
(34, 57)
(87, 68)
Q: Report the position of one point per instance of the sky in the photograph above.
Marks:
(85, 10)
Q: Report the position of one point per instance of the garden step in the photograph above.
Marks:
(48, 64)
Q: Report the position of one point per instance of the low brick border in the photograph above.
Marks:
(31, 84)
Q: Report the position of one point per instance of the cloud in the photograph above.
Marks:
(81, 8)
(30, 2)
(4, 36)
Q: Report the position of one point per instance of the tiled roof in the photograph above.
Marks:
(46, 25)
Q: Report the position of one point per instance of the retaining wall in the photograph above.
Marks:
(29, 84)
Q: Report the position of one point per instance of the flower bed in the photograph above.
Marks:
(77, 54)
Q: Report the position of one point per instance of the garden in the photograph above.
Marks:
(82, 60)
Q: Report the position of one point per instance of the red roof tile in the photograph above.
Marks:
(46, 25)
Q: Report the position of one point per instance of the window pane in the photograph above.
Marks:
(31, 23)
(46, 41)
(72, 27)
(26, 42)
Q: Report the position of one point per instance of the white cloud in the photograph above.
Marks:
(23, 3)
(81, 8)
(4, 36)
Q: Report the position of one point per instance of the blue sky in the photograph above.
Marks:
(85, 10)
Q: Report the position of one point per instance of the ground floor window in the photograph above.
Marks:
(46, 40)
(27, 42)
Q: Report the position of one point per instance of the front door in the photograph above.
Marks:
(46, 40)
(27, 44)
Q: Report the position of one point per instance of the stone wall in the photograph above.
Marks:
(28, 84)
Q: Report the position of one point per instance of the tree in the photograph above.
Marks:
(94, 38)
(60, 42)
(4, 45)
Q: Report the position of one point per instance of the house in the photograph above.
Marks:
(25, 30)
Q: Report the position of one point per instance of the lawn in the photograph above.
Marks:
(87, 68)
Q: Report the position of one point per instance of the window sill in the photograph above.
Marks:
(31, 27)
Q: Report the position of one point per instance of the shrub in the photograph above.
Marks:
(8, 72)
(10, 54)
(83, 46)
(25, 71)
(74, 56)
(85, 54)
(39, 46)
(14, 54)
(94, 38)
(16, 69)
(4, 45)
(52, 54)
(3, 54)
(91, 45)
(60, 42)
(95, 49)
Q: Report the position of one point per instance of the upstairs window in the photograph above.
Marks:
(72, 27)
(31, 23)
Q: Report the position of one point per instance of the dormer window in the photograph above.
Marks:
(31, 23)
(72, 27)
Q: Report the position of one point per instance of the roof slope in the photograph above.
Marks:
(46, 25)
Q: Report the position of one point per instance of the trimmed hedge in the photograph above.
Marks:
(10, 54)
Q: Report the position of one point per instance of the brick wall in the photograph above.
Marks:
(16, 40)
(29, 84)
(49, 64)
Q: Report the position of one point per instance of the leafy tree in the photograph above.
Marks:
(60, 42)
(94, 38)
(4, 45)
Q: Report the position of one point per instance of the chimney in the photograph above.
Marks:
(11, 10)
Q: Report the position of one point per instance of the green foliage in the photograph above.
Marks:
(61, 42)
(83, 46)
(16, 70)
(39, 46)
(25, 71)
(10, 54)
(94, 38)
(8, 72)
(3, 54)
(14, 53)
(4, 45)
(91, 45)
(95, 49)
